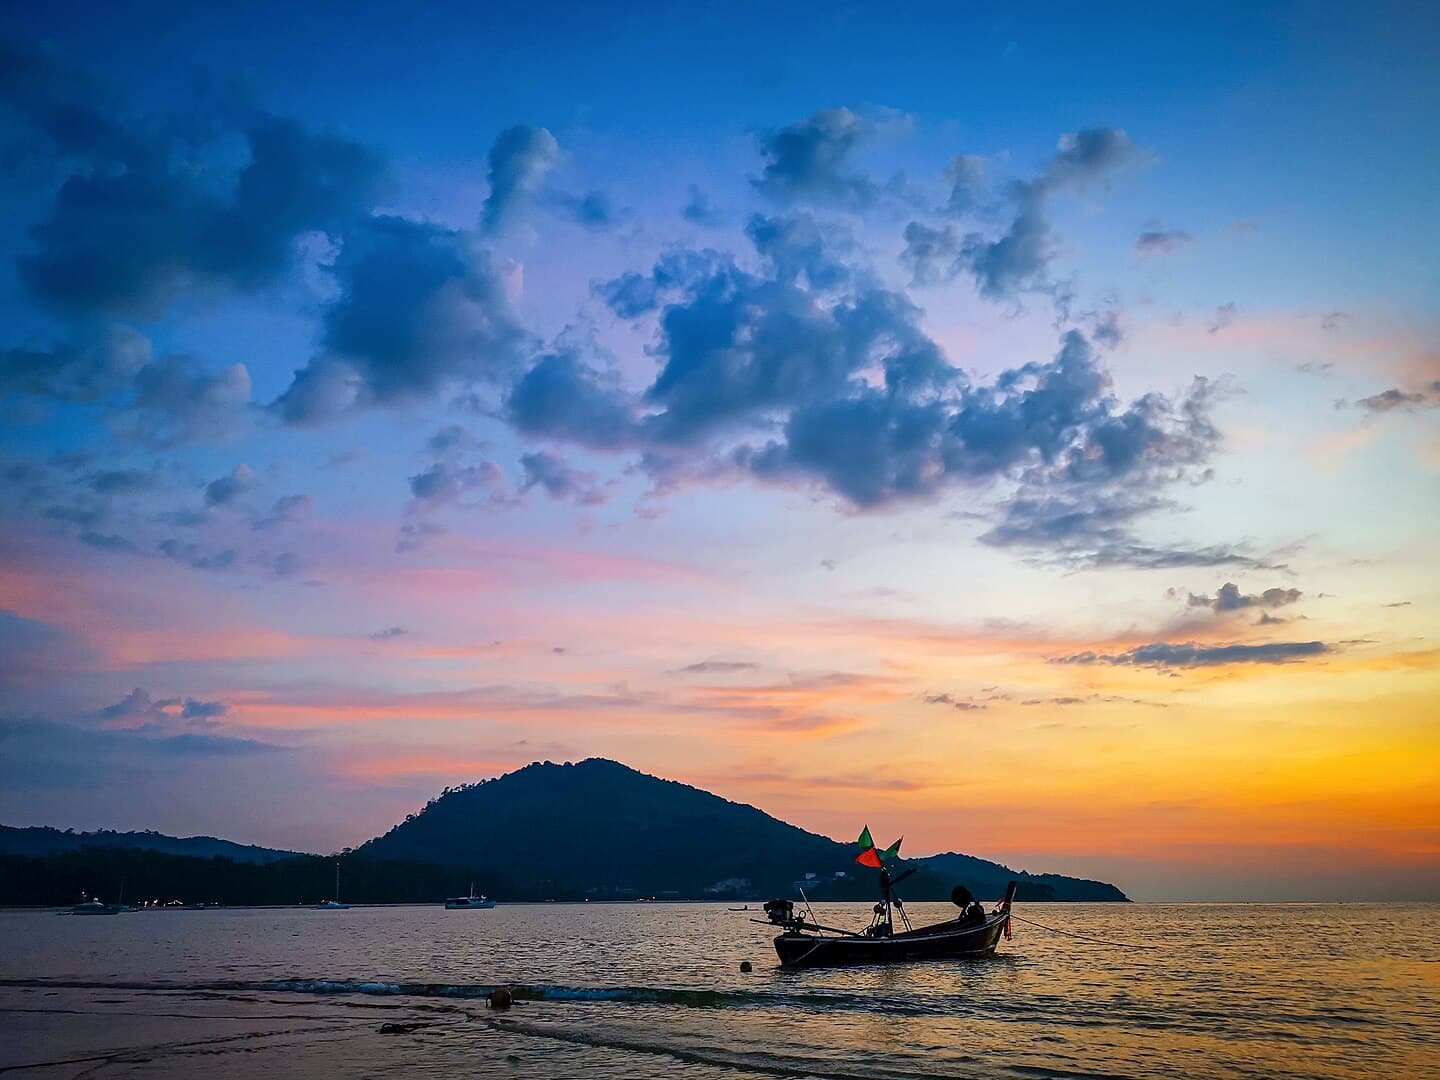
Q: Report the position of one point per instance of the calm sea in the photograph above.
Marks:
(656, 991)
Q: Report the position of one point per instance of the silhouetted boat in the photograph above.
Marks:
(334, 905)
(465, 903)
(974, 932)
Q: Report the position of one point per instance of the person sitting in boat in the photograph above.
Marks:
(972, 912)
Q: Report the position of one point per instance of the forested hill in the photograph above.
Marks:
(600, 828)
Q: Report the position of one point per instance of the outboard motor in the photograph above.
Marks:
(780, 912)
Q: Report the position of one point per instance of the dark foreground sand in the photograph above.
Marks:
(54, 1032)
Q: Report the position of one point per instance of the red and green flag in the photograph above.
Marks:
(868, 855)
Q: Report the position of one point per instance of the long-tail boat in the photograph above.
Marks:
(973, 932)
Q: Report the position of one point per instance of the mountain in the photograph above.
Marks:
(41, 840)
(598, 828)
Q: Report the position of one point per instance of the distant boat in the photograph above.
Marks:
(95, 907)
(334, 905)
(465, 903)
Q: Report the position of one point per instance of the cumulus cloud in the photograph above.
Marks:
(556, 478)
(84, 370)
(178, 402)
(1190, 654)
(445, 483)
(421, 308)
(811, 160)
(153, 206)
(230, 488)
(562, 396)
(520, 159)
(1019, 260)
(1229, 598)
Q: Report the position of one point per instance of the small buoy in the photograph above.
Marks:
(745, 965)
(501, 998)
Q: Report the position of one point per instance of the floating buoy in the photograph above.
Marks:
(745, 965)
(501, 998)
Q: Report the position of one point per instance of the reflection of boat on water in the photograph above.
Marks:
(465, 903)
(334, 905)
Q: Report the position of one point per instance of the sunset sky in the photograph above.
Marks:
(1019, 431)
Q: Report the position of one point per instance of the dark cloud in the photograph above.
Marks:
(962, 704)
(107, 542)
(593, 210)
(1162, 242)
(564, 397)
(551, 473)
(421, 308)
(230, 488)
(520, 159)
(122, 482)
(1019, 260)
(811, 160)
(444, 483)
(85, 370)
(196, 557)
(138, 710)
(1166, 655)
(390, 633)
(931, 254)
(153, 206)
(1402, 400)
(1229, 598)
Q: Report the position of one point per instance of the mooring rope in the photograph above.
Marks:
(1083, 937)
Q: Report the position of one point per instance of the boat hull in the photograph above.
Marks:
(944, 942)
(466, 905)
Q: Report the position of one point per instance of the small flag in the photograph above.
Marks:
(892, 852)
(869, 857)
(865, 841)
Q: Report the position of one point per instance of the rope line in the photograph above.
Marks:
(1083, 937)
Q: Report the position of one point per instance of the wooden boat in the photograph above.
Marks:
(974, 932)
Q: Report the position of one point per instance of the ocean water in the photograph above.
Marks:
(655, 990)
